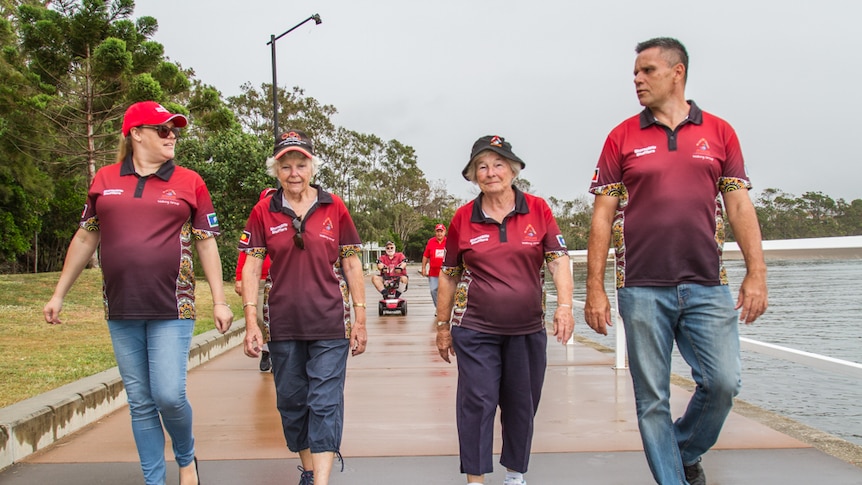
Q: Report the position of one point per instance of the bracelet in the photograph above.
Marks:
(359, 305)
(221, 303)
(248, 303)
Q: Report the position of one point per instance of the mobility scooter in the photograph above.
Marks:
(392, 301)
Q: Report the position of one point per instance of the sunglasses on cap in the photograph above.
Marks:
(163, 130)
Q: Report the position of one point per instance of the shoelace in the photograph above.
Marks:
(307, 476)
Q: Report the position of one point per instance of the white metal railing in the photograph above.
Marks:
(847, 245)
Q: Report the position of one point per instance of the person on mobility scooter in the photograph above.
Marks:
(393, 271)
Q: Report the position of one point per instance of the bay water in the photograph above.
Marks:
(815, 305)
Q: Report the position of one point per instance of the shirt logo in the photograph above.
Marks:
(112, 192)
(639, 152)
(701, 150)
(560, 240)
(480, 239)
(530, 234)
(595, 176)
(169, 194)
(279, 228)
(245, 238)
(212, 219)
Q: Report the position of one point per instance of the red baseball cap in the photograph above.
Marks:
(439, 227)
(150, 113)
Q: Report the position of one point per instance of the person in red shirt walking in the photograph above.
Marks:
(265, 362)
(145, 214)
(432, 258)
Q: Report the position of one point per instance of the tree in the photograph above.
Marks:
(92, 61)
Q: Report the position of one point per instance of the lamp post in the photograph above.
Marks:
(272, 39)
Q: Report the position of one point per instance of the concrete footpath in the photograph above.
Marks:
(400, 424)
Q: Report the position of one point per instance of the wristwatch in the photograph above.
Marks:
(440, 324)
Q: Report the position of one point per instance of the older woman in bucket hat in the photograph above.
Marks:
(315, 270)
(144, 213)
(491, 284)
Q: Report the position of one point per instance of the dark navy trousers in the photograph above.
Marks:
(497, 370)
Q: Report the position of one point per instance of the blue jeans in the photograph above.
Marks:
(433, 284)
(703, 322)
(152, 356)
(309, 385)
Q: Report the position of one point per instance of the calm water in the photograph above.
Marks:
(815, 306)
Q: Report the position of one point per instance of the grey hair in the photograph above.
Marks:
(272, 163)
(471, 167)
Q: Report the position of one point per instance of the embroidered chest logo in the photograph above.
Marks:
(530, 235)
(169, 197)
(326, 231)
(702, 151)
(639, 152)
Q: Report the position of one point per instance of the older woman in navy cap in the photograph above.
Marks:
(491, 285)
(315, 271)
(144, 213)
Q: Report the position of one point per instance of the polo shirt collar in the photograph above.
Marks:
(695, 115)
(521, 206)
(164, 172)
(276, 205)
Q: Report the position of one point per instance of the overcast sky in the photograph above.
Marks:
(552, 77)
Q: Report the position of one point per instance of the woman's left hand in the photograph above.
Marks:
(564, 324)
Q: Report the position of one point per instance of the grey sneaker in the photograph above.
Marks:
(305, 477)
(694, 474)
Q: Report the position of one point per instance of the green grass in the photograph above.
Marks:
(36, 357)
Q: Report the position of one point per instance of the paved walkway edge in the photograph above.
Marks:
(33, 424)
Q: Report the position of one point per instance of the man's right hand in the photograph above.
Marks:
(597, 311)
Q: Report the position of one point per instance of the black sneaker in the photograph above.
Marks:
(265, 362)
(694, 474)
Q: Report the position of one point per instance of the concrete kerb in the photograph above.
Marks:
(36, 423)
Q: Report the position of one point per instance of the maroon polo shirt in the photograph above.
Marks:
(396, 259)
(500, 266)
(668, 227)
(147, 226)
(306, 295)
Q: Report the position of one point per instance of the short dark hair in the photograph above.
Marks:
(673, 50)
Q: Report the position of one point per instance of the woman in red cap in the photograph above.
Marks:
(432, 259)
(144, 214)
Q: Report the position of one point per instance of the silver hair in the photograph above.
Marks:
(272, 169)
(471, 168)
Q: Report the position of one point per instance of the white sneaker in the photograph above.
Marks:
(514, 481)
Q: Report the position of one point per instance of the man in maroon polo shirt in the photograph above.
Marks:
(657, 187)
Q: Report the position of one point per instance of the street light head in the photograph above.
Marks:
(317, 20)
